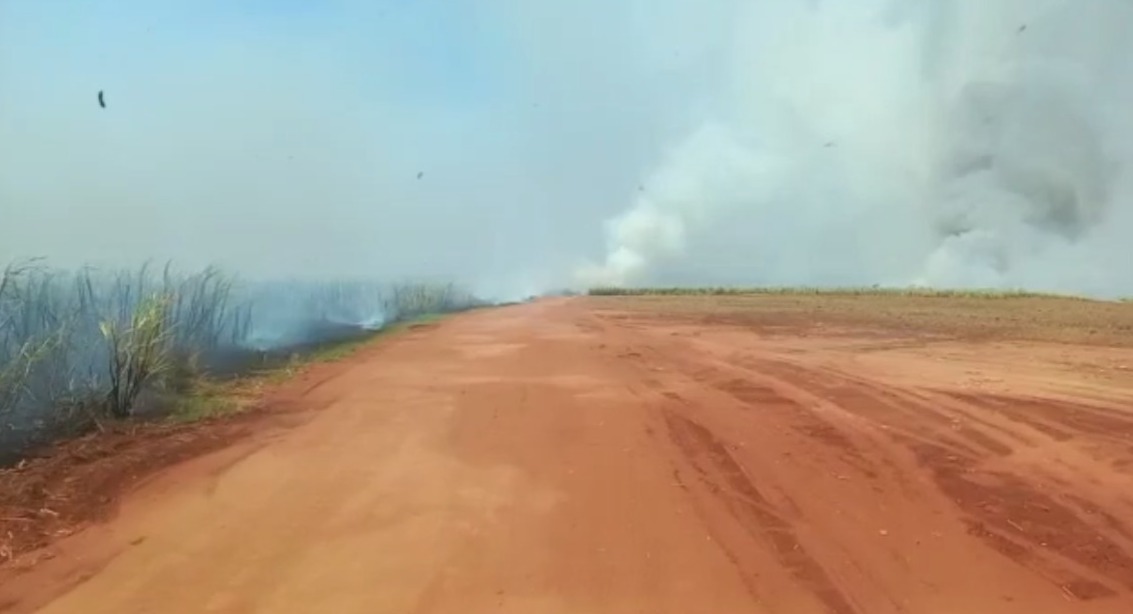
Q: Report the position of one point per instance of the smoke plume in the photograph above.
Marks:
(939, 142)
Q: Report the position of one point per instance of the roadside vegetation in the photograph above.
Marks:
(81, 349)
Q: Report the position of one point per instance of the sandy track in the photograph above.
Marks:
(557, 458)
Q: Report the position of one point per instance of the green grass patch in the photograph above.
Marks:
(207, 399)
(334, 352)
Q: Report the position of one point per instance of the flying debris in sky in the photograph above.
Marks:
(101, 101)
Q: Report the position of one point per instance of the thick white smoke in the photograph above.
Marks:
(943, 142)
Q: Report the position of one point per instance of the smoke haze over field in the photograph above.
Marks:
(946, 142)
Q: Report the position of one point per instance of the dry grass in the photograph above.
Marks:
(967, 316)
(983, 293)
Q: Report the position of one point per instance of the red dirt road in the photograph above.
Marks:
(561, 458)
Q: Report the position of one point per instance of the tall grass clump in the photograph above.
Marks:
(81, 347)
(23, 344)
(137, 354)
(77, 347)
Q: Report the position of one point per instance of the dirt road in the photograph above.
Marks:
(566, 457)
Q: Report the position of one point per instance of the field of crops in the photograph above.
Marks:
(808, 290)
(80, 347)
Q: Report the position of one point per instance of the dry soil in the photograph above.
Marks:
(787, 455)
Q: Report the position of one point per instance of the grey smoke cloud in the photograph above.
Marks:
(669, 141)
(944, 143)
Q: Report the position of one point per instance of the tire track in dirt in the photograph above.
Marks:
(790, 426)
(767, 397)
(1012, 515)
(1067, 539)
(727, 480)
(1023, 523)
(888, 408)
(1059, 419)
(764, 397)
(767, 521)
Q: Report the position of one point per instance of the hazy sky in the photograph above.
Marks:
(952, 142)
(286, 137)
